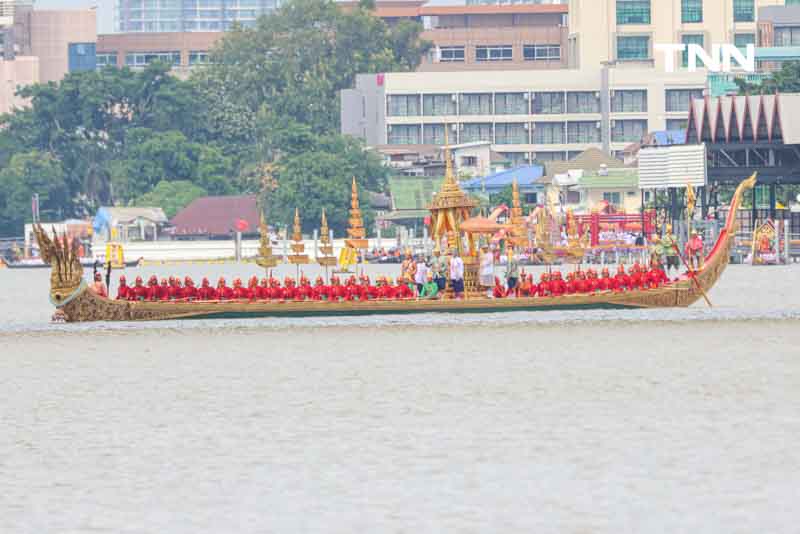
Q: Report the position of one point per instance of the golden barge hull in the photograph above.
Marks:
(76, 302)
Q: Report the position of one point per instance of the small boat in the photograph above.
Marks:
(39, 263)
(76, 302)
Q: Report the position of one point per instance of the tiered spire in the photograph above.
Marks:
(518, 229)
(450, 206)
(298, 247)
(325, 248)
(265, 257)
(356, 233)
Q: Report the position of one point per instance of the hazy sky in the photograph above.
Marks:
(105, 10)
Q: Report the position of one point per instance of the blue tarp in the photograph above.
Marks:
(102, 220)
(526, 176)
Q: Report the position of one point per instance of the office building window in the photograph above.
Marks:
(691, 11)
(741, 40)
(494, 53)
(677, 124)
(510, 104)
(787, 35)
(510, 134)
(472, 132)
(106, 59)
(475, 104)
(403, 105)
(548, 133)
(633, 11)
(140, 59)
(689, 39)
(548, 156)
(548, 103)
(434, 105)
(433, 134)
(198, 58)
(680, 99)
(469, 161)
(541, 52)
(403, 134)
(583, 132)
(583, 102)
(628, 131)
(451, 54)
(627, 101)
(744, 10)
(633, 47)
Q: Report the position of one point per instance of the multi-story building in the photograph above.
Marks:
(526, 116)
(624, 32)
(188, 15)
(41, 46)
(182, 50)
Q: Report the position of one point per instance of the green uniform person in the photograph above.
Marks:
(430, 289)
(669, 246)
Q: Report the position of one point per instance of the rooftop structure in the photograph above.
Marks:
(217, 217)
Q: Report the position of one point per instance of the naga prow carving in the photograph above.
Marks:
(66, 275)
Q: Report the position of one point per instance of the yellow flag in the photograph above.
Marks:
(691, 199)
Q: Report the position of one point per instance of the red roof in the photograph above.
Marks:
(216, 216)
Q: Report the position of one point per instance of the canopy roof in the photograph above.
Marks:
(527, 177)
(217, 216)
(108, 216)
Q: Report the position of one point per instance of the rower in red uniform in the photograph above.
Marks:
(351, 288)
(401, 290)
(173, 291)
(239, 291)
(262, 291)
(304, 290)
(223, 291)
(580, 282)
(138, 291)
(206, 292)
(525, 286)
(498, 291)
(289, 288)
(621, 279)
(275, 289)
(637, 278)
(189, 291)
(557, 286)
(384, 290)
(252, 288)
(365, 289)
(123, 289)
(162, 293)
(656, 277)
(571, 287)
(337, 291)
(543, 289)
(606, 283)
(320, 289)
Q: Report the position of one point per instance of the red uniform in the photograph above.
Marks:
(337, 290)
(123, 290)
(543, 289)
(499, 291)
(189, 291)
(656, 278)
(402, 291)
(240, 292)
(223, 291)
(289, 289)
(320, 290)
(572, 286)
(206, 292)
(622, 281)
(557, 286)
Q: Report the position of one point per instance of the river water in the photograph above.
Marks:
(618, 421)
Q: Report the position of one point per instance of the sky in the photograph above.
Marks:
(105, 10)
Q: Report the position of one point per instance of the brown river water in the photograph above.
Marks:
(615, 421)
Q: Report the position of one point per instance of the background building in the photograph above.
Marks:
(181, 49)
(188, 15)
(524, 115)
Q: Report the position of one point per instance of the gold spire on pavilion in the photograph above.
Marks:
(450, 206)
(519, 231)
(297, 247)
(265, 257)
(356, 233)
(326, 258)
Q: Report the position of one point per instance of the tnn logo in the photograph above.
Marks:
(720, 60)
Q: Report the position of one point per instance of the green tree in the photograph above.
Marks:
(171, 196)
(296, 60)
(321, 177)
(786, 80)
(26, 174)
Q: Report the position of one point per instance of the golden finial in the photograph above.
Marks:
(324, 231)
(297, 235)
(356, 231)
(297, 247)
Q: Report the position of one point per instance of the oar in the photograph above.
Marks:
(693, 276)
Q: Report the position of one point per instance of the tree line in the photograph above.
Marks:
(262, 116)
